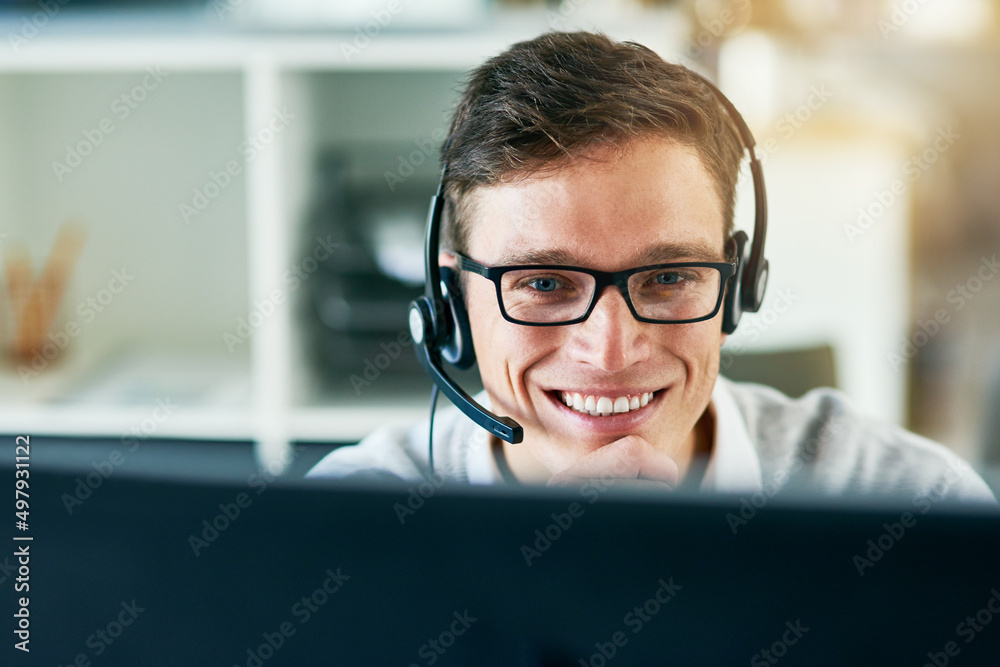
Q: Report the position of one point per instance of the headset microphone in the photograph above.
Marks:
(439, 325)
(439, 322)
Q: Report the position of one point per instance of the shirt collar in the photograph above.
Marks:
(733, 466)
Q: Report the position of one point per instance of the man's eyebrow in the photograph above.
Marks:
(658, 254)
(674, 252)
(517, 256)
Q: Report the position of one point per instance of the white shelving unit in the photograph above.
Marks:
(172, 335)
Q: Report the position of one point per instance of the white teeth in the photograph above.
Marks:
(605, 405)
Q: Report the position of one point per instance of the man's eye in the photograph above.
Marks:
(540, 286)
(668, 278)
(543, 284)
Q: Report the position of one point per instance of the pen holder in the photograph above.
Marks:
(33, 339)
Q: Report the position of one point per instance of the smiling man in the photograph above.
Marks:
(638, 203)
(589, 196)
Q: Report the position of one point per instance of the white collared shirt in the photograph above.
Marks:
(733, 465)
(763, 440)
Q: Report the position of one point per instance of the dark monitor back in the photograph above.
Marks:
(165, 573)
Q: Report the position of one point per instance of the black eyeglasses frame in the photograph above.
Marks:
(602, 279)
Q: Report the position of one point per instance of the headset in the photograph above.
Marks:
(439, 322)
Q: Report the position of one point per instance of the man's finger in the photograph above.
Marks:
(630, 457)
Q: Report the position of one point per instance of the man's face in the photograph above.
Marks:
(653, 203)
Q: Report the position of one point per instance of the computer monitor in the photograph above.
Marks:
(157, 572)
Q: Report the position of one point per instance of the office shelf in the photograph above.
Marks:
(205, 227)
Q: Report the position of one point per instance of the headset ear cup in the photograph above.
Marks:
(733, 303)
(754, 293)
(422, 328)
(456, 348)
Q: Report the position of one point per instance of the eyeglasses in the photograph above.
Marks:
(550, 295)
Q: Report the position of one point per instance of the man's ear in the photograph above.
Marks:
(446, 258)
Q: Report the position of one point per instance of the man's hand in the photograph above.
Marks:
(629, 462)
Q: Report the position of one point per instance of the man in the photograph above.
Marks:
(572, 150)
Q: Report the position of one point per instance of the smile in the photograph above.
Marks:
(604, 406)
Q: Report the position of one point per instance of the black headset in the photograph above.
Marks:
(439, 322)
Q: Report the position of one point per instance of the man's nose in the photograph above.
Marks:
(611, 338)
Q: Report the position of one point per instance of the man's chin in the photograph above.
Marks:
(559, 449)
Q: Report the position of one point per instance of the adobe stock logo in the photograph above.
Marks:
(302, 610)
(715, 28)
(122, 107)
(901, 14)
(250, 148)
(104, 637)
(960, 296)
(374, 366)
(87, 310)
(267, 306)
(914, 167)
(968, 629)
(433, 649)
(878, 547)
(48, 10)
(105, 467)
(423, 152)
(779, 649)
(635, 620)
(363, 35)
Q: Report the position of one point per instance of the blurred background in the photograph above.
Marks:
(211, 212)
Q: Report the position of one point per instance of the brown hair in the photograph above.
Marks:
(547, 100)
